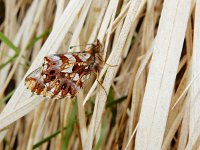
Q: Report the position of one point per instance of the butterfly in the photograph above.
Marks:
(63, 75)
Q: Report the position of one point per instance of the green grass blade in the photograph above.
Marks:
(102, 134)
(4, 39)
(11, 59)
(32, 42)
(3, 100)
(115, 102)
(46, 139)
(9, 43)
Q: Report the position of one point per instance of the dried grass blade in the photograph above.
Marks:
(101, 97)
(165, 59)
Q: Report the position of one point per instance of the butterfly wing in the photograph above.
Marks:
(34, 81)
(60, 88)
(60, 76)
(69, 65)
(63, 75)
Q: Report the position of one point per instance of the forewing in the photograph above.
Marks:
(69, 65)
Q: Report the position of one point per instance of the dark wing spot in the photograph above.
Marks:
(53, 78)
(58, 82)
(70, 89)
(64, 86)
(52, 72)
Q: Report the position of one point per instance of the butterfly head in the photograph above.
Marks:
(97, 47)
(96, 50)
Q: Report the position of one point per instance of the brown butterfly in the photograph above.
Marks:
(62, 75)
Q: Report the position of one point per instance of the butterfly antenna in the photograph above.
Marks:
(79, 45)
(106, 63)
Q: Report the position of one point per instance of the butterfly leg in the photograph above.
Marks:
(97, 76)
(106, 63)
(111, 65)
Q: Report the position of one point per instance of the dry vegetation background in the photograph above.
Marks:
(153, 99)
